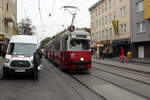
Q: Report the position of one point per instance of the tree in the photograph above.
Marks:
(45, 41)
(25, 27)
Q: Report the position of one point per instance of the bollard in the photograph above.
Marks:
(130, 55)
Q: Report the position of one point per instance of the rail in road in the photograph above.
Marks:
(108, 81)
(68, 76)
(131, 67)
(138, 79)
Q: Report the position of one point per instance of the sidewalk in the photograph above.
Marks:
(128, 66)
(135, 60)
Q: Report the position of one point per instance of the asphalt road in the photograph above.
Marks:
(51, 86)
(57, 85)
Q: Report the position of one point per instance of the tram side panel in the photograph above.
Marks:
(76, 60)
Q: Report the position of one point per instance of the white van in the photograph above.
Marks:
(19, 56)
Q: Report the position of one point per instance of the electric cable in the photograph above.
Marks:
(25, 12)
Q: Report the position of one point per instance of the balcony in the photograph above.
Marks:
(8, 17)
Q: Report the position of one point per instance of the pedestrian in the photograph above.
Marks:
(36, 63)
(122, 56)
(104, 53)
(101, 54)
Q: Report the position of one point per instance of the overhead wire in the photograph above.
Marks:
(41, 19)
(50, 13)
(25, 12)
(52, 7)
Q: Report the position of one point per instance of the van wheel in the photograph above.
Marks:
(5, 73)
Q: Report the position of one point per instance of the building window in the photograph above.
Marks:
(123, 28)
(140, 6)
(103, 21)
(7, 6)
(113, 2)
(122, 11)
(110, 32)
(99, 10)
(106, 20)
(96, 12)
(96, 24)
(106, 34)
(102, 8)
(109, 4)
(103, 34)
(140, 27)
(110, 17)
(99, 22)
(106, 6)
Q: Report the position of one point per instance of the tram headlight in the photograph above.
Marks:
(81, 59)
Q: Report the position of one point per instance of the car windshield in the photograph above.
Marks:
(79, 44)
(21, 49)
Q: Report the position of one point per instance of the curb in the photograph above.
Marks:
(134, 61)
(122, 67)
(139, 62)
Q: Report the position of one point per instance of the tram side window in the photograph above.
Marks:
(64, 43)
(57, 45)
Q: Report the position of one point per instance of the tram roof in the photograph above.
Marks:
(67, 33)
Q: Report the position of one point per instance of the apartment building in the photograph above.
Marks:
(141, 28)
(105, 34)
(8, 22)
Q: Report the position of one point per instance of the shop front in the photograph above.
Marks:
(117, 44)
(107, 48)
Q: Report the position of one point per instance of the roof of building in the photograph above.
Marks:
(95, 5)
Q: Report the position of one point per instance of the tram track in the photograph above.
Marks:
(124, 76)
(80, 82)
(59, 74)
(119, 85)
(129, 69)
(85, 85)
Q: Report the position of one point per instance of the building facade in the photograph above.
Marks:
(8, 22)
(110, 25)
(141, 28)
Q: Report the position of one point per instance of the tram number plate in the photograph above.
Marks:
(19, 70)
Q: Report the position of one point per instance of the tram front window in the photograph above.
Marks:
(79, 44)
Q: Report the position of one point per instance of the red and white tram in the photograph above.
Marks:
(70, 50)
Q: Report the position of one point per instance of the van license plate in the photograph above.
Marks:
(19, 70)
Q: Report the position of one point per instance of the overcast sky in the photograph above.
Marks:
(59, 18)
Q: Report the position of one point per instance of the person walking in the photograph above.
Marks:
(36, 63)
(122, 55)
(101, 55)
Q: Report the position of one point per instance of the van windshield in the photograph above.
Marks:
(21, 49)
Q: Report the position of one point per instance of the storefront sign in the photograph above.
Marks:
(105, 42)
